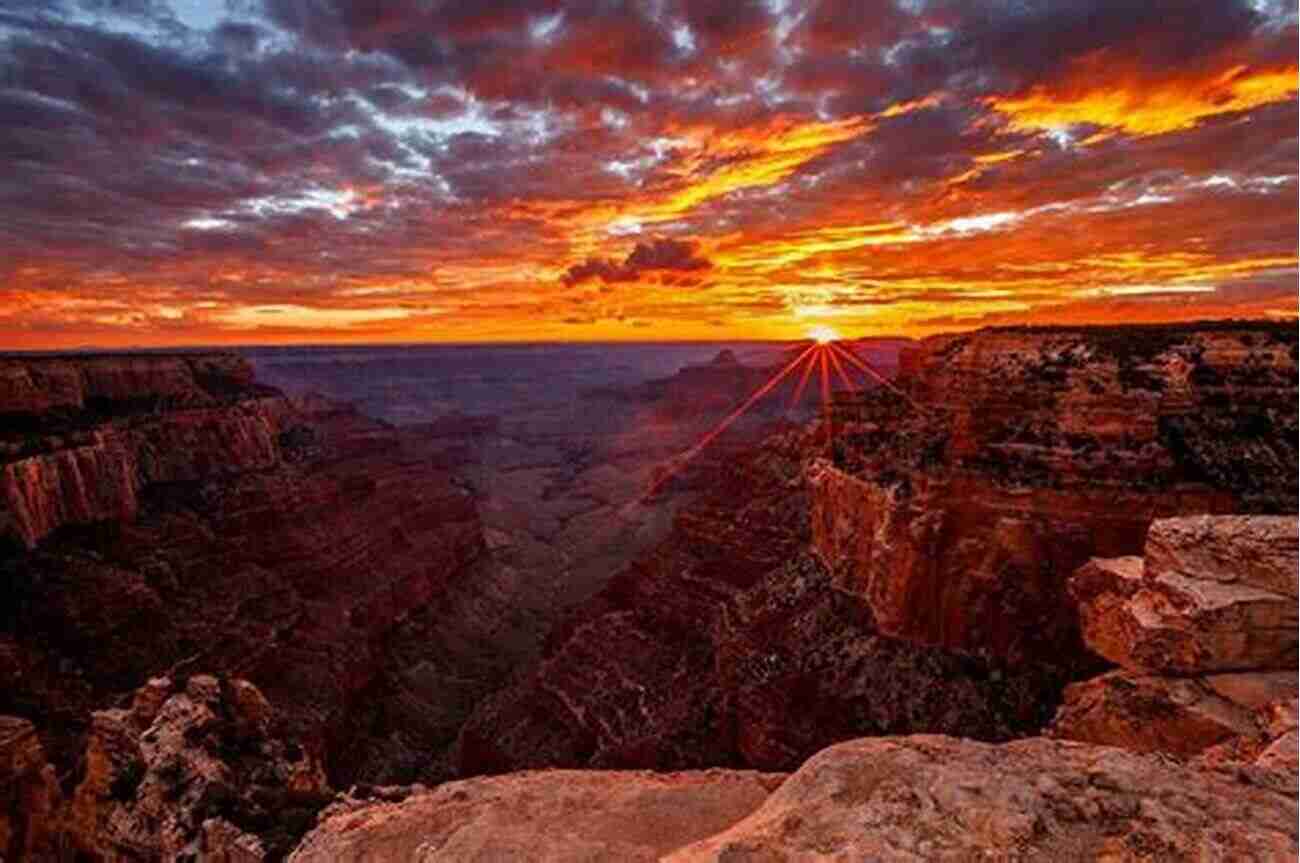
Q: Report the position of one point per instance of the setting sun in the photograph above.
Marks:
(823, 335)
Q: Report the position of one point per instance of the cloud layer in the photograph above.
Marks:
(268, 170)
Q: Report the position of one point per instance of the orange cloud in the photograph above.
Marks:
(1093, 95)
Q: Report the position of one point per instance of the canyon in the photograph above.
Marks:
(1040, 559)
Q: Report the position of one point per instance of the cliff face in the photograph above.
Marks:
(959, 512)
(76, 386)
(81, 438)
(169, 513)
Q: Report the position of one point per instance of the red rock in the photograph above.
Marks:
(1179, 715)
(728, 646)
(1246, 551)
(1200, 602)
(29, 795)
(960, 514)
(291, 544)
(38, 385)
(1211, 594)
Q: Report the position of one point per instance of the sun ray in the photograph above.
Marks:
(852, 356)
(803, 383)
(839, 369)
(680, 461)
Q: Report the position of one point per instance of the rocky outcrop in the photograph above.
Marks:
(1179, 715)
(959, 509)
(103, 478)
(193, 771)
(1209, 594)
(82, 437)
(555, 815)
(29, 795)
(938, 798)
(1204, 626)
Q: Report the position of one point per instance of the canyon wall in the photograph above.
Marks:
(166, 513)
(81, 438)
(958, 505)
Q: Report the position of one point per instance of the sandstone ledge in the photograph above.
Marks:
(892, 798)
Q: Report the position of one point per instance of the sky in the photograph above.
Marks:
(257, 171)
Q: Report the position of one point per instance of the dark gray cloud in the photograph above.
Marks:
(657, 256)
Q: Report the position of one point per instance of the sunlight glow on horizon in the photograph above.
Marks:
(823, 335)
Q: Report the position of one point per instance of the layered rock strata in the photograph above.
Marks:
(959, 504)
(166, 513)
(729, 646)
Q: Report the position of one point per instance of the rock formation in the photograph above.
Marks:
(83, 437)
(29, 795)
(1204, 628)
(193, 771)
(937, 798)
(911, 564)
(949, 526)
(959, 509)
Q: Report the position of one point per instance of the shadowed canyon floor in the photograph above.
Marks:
(471, 582)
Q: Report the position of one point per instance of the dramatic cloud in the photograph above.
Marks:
(645, 258)
(258, 170)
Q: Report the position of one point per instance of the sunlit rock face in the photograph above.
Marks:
(959, 511)
(1204, 629)
(940, 798)
(201, 520)
(557, 815)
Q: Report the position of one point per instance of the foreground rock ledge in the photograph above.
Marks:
(892, 798)
(546, 816)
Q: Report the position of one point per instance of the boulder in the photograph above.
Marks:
(1179, 715)
(1204, 627)
(1210, 594)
